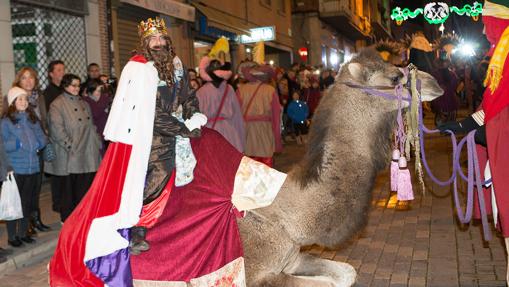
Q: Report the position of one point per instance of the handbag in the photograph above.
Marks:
(48, 152)
(10, 202)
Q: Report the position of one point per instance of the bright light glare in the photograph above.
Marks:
(248, 50)
(271, 62)
(334, 59)
(317, 72)
(465, 49)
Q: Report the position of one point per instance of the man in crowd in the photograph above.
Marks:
(56, 71)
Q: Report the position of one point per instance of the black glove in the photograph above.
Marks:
(464, 126)
(480, 136)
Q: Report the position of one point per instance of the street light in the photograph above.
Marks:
(465, 49)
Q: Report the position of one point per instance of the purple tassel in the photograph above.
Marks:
(405, 191)
(394, 169)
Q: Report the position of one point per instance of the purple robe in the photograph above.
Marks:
(229, 123)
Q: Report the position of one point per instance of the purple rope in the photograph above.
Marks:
(474, 174)
(472, 179)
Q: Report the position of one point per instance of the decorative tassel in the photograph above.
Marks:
(405, 191)
(394, 169)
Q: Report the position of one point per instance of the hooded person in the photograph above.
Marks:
(490, 120)
(261, 112)
(154, 126)
(218, 100)
(421, 52)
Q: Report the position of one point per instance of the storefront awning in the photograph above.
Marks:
(167, 7)
(223, 20)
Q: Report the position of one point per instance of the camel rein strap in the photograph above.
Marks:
(473, 177)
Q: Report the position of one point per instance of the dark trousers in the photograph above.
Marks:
(57, 187)
(27, 186)
(75, 186)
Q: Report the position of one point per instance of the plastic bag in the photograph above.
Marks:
(10, 202)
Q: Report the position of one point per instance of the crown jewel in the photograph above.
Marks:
(151, 27)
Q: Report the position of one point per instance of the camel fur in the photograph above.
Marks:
(326, 197)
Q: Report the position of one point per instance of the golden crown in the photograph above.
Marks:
(151, 27)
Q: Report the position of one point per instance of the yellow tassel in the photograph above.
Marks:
(496, 66)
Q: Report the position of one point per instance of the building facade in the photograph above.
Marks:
(332, 30)
(34, 33)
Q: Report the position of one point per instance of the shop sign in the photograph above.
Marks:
(205, 29)
(259, 34)
(167, 7)
(303, 53)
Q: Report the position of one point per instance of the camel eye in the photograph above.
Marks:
(395, 80)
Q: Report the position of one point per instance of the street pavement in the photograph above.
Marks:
(420, 244)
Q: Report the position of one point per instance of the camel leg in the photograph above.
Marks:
(307, 270)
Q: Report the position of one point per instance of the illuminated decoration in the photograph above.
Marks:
(436, 12)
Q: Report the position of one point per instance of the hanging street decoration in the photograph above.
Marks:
(436, 12)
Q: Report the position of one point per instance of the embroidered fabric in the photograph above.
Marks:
(185, 161)
(232, 274)
(256, 185)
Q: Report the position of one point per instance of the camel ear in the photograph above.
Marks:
(355, 70)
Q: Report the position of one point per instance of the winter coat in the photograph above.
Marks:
(74, 137)
(23, 139)
(5, 165)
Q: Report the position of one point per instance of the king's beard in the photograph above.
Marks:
(162, 57)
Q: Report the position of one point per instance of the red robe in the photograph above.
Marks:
(496, 108)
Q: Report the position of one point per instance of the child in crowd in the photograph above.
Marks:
(298, 113)
(23, 137)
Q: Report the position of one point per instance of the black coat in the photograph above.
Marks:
(166, 127)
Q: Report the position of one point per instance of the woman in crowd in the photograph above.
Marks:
(23, 138)
(27, 79)
(77, 144)
(99, 103)
(312, 95)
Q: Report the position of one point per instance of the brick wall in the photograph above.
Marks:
(104, 37)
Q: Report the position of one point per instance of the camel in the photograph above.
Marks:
(326, 197)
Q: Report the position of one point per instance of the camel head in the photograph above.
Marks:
(369, 69)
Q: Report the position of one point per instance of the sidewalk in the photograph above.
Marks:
(46, 241)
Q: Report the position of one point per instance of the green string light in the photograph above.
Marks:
(434, 16)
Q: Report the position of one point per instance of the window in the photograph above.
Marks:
(40, 35)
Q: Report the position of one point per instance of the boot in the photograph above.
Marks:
(138, 243)
(37, 223)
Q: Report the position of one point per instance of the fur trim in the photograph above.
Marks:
(204, 63)
(138, 58)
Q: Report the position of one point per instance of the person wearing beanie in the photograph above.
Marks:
(23, 138)
(219, 103)
(262, 114)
